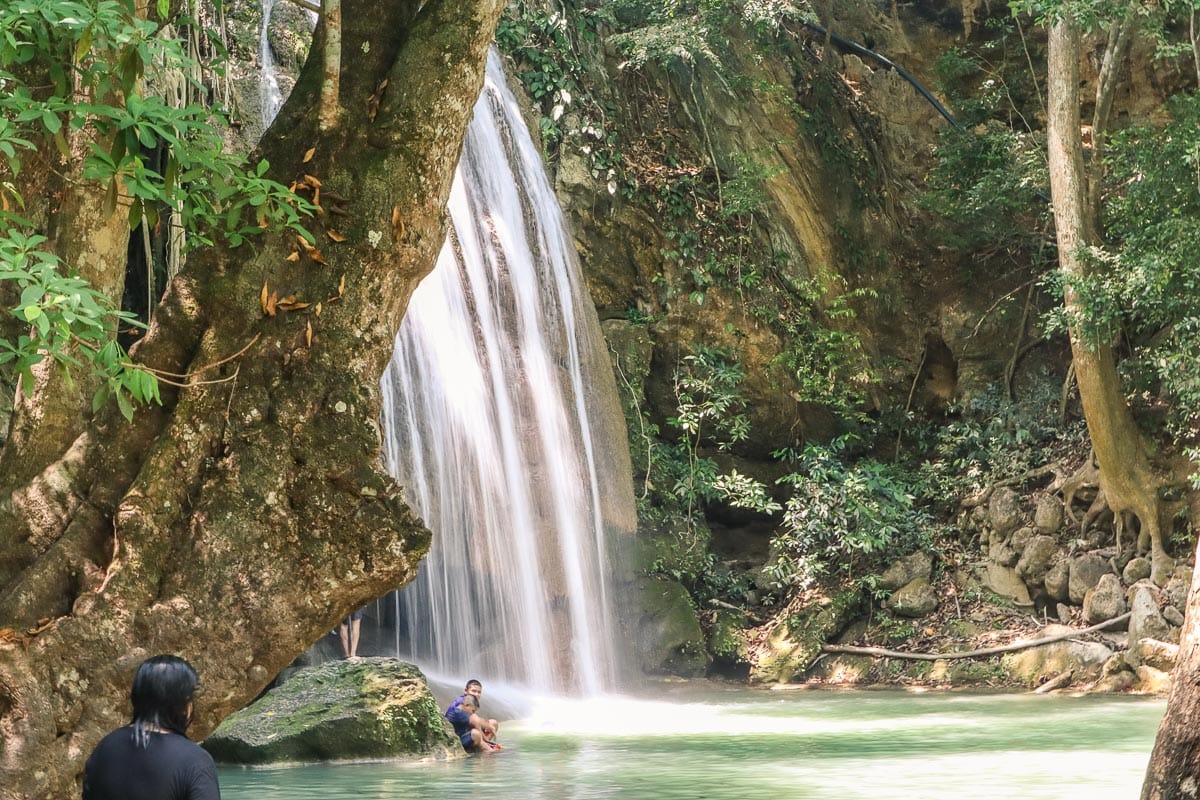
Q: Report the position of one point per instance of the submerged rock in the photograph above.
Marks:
(340, 710)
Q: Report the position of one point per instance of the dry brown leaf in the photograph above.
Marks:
(293, 186)
(291, 298)
(342, 286)
(262, 297)
(262, 220)
(312, 151)
(318, 309)
(308, 334)
(304, 243)
(395, 216)
(311, 181)
(337, 237)
(271, 301)
(295, 256)
(292, 306)
(317, 196)
(316, 256)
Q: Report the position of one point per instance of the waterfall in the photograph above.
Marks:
(269, 95)
(490, 419)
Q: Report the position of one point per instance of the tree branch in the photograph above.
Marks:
(879, 652)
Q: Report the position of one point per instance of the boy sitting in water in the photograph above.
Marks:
(489, 727)
(468, 726)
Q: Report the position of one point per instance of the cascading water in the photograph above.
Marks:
(269, 94)
(491, 410)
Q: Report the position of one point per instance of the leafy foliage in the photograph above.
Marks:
(844, 514)
(73, 73)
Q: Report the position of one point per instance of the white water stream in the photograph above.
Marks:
(488, 417)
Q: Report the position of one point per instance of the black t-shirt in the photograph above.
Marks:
(169, 767)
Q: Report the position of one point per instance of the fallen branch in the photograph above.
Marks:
(1057, 682)
(879, 652)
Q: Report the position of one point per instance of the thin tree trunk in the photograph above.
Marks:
(1126, 477)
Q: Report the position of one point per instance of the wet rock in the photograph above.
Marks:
(1038, 664)
(1037, 559)
(1152, 681)
(1153, 653)
(915, 599)
(1122, 681)
(1137, 569)
(669, 638)
(1005, 582)
(370, 708)
(1057, 580)
(1104, 602)
(1085, 572)
(906, 570)
(1048, 514)
(1146, 621)
(1004, 511)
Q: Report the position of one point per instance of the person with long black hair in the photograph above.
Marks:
(151, 758)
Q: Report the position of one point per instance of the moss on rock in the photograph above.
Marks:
(371, 708)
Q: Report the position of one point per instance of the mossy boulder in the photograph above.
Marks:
(669, 638)
(796, 640)
(341, 710)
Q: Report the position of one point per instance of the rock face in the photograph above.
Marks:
(340, 710)
(668, 635)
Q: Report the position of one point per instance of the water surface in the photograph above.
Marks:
(736, 744)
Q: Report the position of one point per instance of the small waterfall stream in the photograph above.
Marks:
(490, 421)
(269, 93)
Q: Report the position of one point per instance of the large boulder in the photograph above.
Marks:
(1036, 560)
(1160, 655)
(913, 566)
(1106, 601)
(669, 639)
(1145, 621)
(1004, 511)
(1005, 582)
(1084, 573)
(915, 599)
(1058, 581)
(1085, 660)
(1048, 514)
(341, 710)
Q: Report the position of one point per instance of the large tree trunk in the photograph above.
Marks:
(1126, 477)
(237, 523)
(1174, 769)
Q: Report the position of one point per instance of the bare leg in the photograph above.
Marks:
(355, 624)
(344, 635)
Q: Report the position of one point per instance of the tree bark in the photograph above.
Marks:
(238, 522)
(1174, 769)
(1126, 477)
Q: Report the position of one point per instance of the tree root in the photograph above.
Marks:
(879, 652)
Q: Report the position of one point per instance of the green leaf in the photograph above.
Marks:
(164, 8)
(51, 121)
(32, 313)
(110, 198)
(125, 404)
(84, 44)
